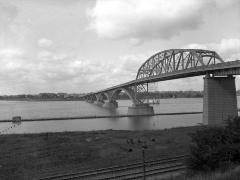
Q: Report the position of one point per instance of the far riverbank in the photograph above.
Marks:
(78, 96)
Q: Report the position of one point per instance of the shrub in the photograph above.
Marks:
(233, 124)
(215, 147)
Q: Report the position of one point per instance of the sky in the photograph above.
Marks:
(79, 46)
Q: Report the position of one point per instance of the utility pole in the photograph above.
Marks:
(147, 94)
(143, 158)
(144, 146)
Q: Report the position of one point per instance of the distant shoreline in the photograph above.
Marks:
(61, 97)
(41, 100)
(80, 99)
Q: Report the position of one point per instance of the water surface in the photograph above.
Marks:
(47, 109)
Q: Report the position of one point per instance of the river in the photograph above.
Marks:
(46, 109)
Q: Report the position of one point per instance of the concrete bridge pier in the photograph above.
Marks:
(111, 104)
(220, 100)
(140, 109)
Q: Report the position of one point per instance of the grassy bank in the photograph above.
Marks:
(230, 174)
(26, 156)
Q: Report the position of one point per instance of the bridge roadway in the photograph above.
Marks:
(220, 69)
(219, 102)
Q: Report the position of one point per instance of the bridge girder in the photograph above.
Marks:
(176, 59)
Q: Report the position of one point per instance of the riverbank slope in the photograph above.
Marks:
(27, 156)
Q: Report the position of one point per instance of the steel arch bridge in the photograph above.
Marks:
(167, 65)
(176, 59)
(173, 60)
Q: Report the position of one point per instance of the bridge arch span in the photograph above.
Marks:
(91, 98)
(107, 96)
(130, 93)
(176, 59)
(100, 97)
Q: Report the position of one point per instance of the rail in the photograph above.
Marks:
(128, 171)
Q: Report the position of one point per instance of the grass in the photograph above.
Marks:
(28, 156)
(229, 174)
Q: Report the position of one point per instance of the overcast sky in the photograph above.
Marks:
(86, 45)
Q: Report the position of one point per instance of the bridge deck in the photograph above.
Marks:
(220, 69)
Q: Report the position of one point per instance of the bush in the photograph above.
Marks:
(234, 124)
(215, 147)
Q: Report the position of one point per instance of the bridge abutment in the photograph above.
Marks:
(220, 100)
(140, 109)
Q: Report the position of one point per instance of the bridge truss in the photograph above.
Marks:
(172, 60)
(175, 60)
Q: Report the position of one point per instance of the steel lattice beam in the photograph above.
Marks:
(177, 59)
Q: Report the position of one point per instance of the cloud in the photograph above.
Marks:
(228, 49)
(11, 60)
(33, 62)
(140, 19)
(8, 13)
(13, 29)
(50, 71)
(15, 71)
(8, 53)
(225, 4)
(45, 43)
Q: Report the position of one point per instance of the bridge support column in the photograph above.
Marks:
(111, 104)
(140, 109)
(220, 100)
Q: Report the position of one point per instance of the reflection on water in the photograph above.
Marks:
(80, 108)
(138, 123)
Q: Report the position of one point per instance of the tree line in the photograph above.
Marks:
(122, 95)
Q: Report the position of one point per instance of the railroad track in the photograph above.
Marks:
(129, 171)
